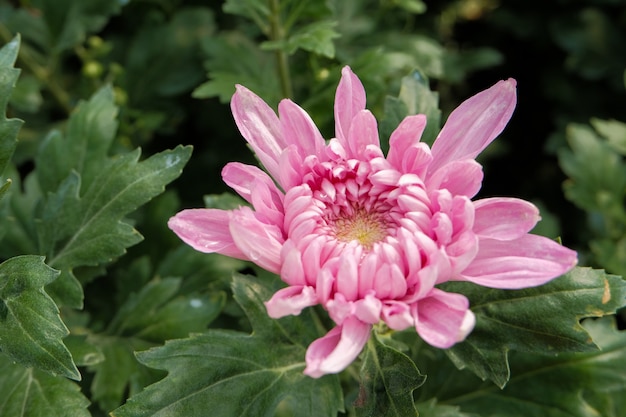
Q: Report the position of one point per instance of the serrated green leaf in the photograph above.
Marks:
(234, 374)
(28, 392)
(171, 66)
(96, 235)
(316, 37)
(613, 131)
(156, 314)
(17, 223)
(69, 21)
(199, 270)
(83, 148)
(257, 11)
(225, 69)
(27, 96)
(8, 77)
(597, 175)
(83, 351)
(552, 386)
(415, 97)
(224, 201)
(30, 327)
(388, 379)
(543, 319)
(119, 374)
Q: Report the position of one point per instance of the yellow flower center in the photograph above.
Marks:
(366, 228)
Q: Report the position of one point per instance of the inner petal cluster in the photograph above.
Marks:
(362, 226)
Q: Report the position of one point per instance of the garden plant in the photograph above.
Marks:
(297, 208)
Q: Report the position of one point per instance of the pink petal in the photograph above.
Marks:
(347, 274)
(349, 100)
(390, 282)
(206, 230)
(299, 129)
(519, 263)
(443, 319)
(474, 124)
(461, 177)
(406, 136)
(292, 270)
(260, 126)
(256, 187)
(290, 166)
(397, 315)
(242, 178)
(363, 132)
(335, 351)
(504, 218)
(290, 301)
(260, 242)
(368, 309)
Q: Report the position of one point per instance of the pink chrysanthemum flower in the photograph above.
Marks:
(369, 237)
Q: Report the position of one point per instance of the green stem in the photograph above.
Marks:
(41, 73)
(277, 33)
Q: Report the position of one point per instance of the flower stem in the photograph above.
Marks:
(277, 33)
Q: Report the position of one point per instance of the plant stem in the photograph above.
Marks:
(40, 72)
(277, 33)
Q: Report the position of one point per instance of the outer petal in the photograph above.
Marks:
(504, 218)
(406, 135)
(260, 126)
(520, 263)
(260, 242)
(290, 301)
(349, 100)
(363, 132)
(336, 350)
(299, 129)
(244, 178)
(206, 230)
(443, 319)
(462, 177)
(474, 124)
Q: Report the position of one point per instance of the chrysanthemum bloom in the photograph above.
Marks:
(369, 237)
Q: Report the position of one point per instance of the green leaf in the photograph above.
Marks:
(257, 11)
(597, 175)
(83, 351)
(231, 374)
(84, 147)
(316, 37)
(415, 97)
(613, 131)
(69, 21)
(156, 314)
(8, 77)
(543, 319)
(225, 69)
(28, 392)
(388, 379)
(119, 374)
(80, 222)
(27, 96)
(172, 66)
(413, 6)
(432, 409)
(30, 327)
(565, 385)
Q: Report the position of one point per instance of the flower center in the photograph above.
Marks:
(366, 228)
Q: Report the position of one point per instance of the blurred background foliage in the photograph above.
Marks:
(173, 65)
